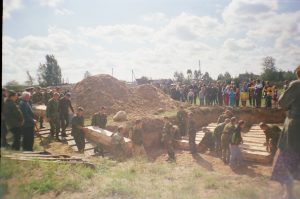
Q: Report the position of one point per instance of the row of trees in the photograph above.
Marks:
(270, 73)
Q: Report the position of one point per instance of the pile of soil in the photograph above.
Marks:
(103, 90)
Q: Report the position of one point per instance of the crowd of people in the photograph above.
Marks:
(17, 116)
(249, 93)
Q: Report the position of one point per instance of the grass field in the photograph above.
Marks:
(132, 179)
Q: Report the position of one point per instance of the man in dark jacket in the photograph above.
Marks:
(77, 130)
(3, 123)
(64, 105)
(29, 122)
(14, 119)
(52, 112)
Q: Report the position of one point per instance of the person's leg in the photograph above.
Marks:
(57, 127)
(3, 134)
(62, 123)
(16, 138)
(28, 138)
(52, 127)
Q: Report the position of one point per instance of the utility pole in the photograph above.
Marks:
(132, 76)
(112, 72)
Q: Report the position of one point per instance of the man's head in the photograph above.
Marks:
(56, 96)
(12, 95)
(80, 111)
(227, 120)
(241, 123)
(68, 96)
(205, 129)
(26, 96)
(263, 126)
(138, 123)
(38, 89)
(233, 120)
(181, 107)
(297, 72)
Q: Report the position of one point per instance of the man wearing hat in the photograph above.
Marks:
(77, 130)
(225, 139)
(52, 113)
(182, 120)
(272, 133)
(64, 105)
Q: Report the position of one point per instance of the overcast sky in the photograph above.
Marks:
(153, 37)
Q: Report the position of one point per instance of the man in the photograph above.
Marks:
(38, 98)
(100, 118)
(258, 93)
(218, 133)
(29, 122)
(168, 139)
(3, 123)
(226, 114)
(207, 141)
(192, 134)
(52, 112)
(64, 105)
(14, 119)
(137, 139)
(220, 94)
(77, 130)
(118, 144)
(182, 119)
(48, 95)
(190, 96)
(272, 133)
(225, 139)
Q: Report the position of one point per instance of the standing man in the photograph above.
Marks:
(3, 123)
(258, 93)
(38, 98)
(118, 144)
(77, 130)
(192, 134)
(225, 139)
(168, 139)
(52, 113)
(137, 139)
(64, 105)
(218, 133)
(182, 121)
(100, 118)
(29, 122)
(14, 119)
(272, 133)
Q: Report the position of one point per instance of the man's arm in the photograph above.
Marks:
(287, 98)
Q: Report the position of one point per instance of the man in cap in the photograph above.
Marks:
(118, 144)
(64, 105)
(272, 133)
(192, 134)
(218, 133)
(182, 121)
(225, 139)
(100, 118)
(52, 112)
(207, 141)
(77, 130)
(137, 139)
(168, 139)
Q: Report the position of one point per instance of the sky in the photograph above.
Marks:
(153, 38)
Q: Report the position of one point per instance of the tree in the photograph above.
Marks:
(206, 77)
(49, 74)
(189, 73)
(197, 74)
(270, 72)
(179, 77)
(221, 77)
(86, 74)
(30, 79)
(14, 85)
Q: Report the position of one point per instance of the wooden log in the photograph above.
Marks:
(39, 110)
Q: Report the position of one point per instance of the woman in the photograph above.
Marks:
(286, 166)
(231, 98)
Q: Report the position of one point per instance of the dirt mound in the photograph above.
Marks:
(103, 90)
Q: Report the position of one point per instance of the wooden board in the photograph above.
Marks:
(39, 110)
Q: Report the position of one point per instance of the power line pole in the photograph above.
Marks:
(112, 72)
